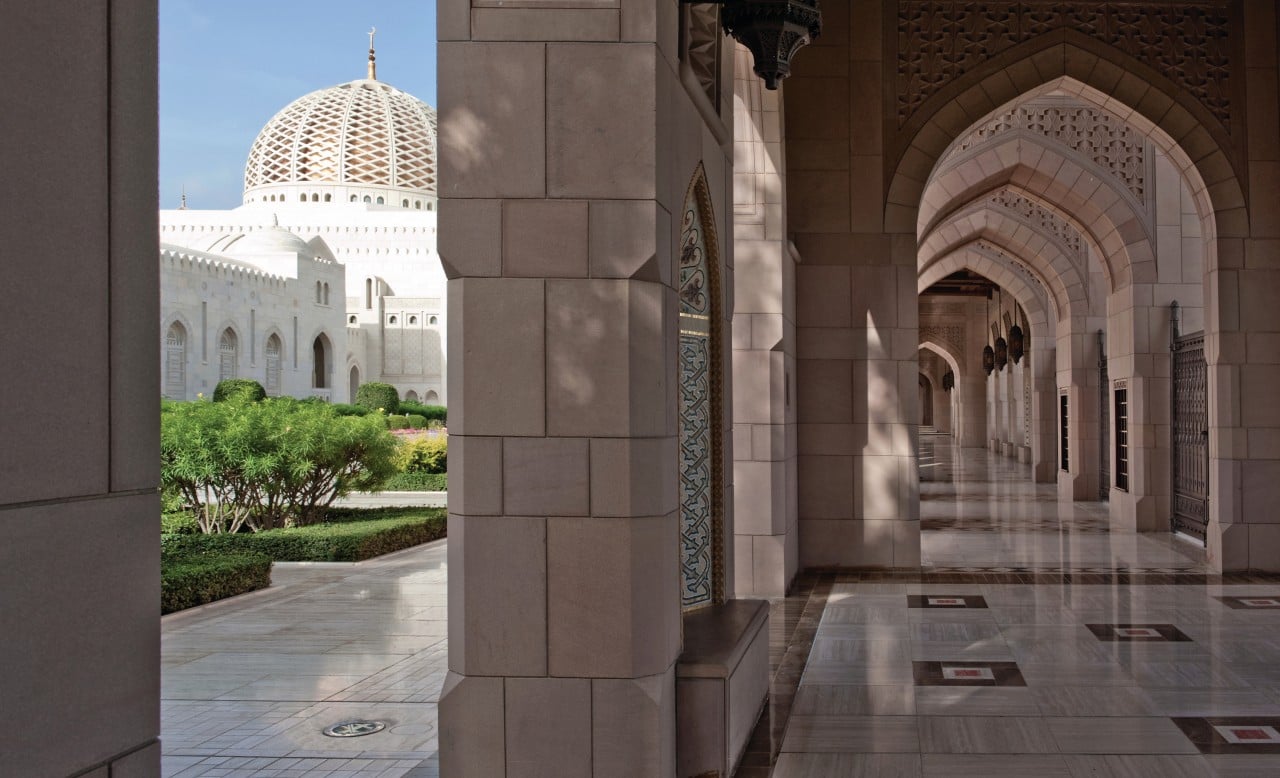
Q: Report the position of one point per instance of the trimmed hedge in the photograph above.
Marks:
(245, 389)
(348, 536)
(418, 482)
(429, 412)
(342, 409)
(405, 422)
(375, 395)
(195, 579)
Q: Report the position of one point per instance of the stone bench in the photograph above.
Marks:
(722, 679)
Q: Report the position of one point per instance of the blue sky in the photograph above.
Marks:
(227, 66)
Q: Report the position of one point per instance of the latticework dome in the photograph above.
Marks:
(359, 137)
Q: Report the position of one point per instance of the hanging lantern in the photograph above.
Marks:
(1016, 344)
(774, 30)
(948, 381)
(1002, 347)
(988, 354)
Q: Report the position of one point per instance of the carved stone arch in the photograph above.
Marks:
(1061, 280)
(1103, 215)
(1204, 128)
(1154, 106)
(998, 269)
(701, 422)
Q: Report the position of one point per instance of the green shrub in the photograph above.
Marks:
(397, 422)
(375, 396)
(275, 463)
(195, 579)
(245, 389)
(179, 523)
(424, 454)
(429, 412)
(417, 482)
(415, 422)
(342, 409)
(349, 539)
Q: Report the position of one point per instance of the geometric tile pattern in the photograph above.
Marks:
(699, 460)
(1234, 735)
(967, 674)
(1119, 633)
(361, 132)
(1255, 602)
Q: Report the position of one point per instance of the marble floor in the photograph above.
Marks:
(248, 684)
(1035, 641)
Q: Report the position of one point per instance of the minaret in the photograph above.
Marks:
(373, 66)
(183, 205)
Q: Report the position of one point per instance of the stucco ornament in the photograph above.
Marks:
(774, 30)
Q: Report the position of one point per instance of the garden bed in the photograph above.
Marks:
(198, 568)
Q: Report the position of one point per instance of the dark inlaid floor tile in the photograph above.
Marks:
(1138, 632)
(945, 601)
(967, 674)
(1233, 734)
(1252, 603)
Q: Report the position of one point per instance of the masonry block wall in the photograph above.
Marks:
(79, 566)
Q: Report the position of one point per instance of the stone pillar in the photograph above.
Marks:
(764, 364)
(564, 166)
(1242, 323)
(973, 380)
(79, 568)
(1078, 380)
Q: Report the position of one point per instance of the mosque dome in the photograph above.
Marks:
(363, 141)
(272, 239)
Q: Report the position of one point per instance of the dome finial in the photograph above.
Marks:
(373, 66)
(183, 205)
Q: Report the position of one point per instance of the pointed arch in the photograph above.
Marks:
(176, 338)
(700, 402)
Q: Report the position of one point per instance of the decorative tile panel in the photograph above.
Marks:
(700, 461)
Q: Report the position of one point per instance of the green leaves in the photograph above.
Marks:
(274, 463)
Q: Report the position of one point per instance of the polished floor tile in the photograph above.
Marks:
(1117, 637)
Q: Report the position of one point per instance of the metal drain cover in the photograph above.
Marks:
(355, 728)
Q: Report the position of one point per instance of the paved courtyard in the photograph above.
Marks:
(249, 684)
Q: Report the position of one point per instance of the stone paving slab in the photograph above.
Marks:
(248, 684)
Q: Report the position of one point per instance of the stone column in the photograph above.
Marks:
(764, 363)
(1242, 323)
(567, 145)
(973, 380)
(79, 564)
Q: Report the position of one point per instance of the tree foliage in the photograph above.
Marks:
(378, 396)
(239, 389)
(275, 463)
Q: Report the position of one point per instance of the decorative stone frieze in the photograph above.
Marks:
(940, 40)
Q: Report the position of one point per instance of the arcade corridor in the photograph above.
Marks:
(1034, 642)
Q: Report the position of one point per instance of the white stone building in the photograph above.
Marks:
(327, 276)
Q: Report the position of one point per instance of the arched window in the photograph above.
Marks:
(315, 197)
(353, 383)
(326, 294)
(320, 362)
(302, 197)
(368, 294)
(175, 362)
(430, 207)
(413, 319)
(700, 424)
(381, 201)
(328, 198)
(411, 396)
(352, 320)
(228, 354)
(353, 198)
(417, 205)
(431, 399)
(392, 320)
(318, 290)
(273, 351)
(368, 199)
(404, 203)
(432, 320)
